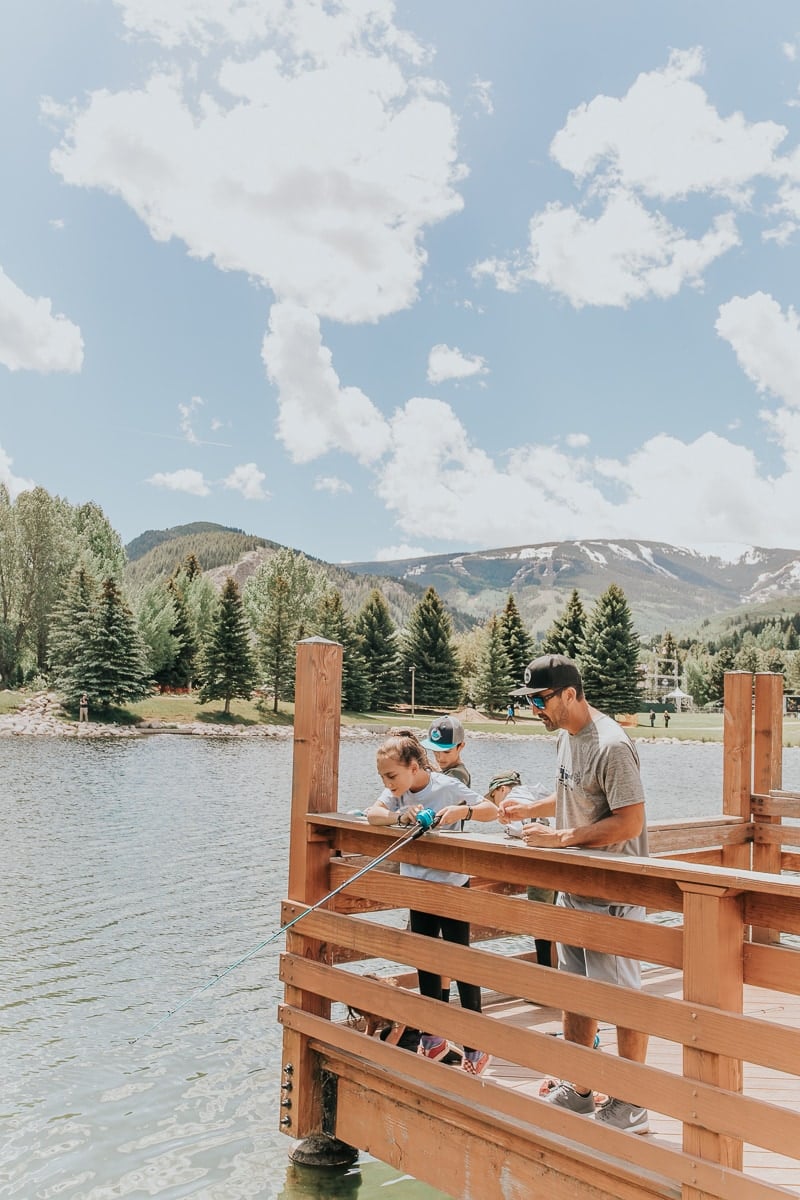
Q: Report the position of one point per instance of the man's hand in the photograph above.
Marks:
(541, 836)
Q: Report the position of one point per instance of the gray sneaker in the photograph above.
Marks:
(565, 1096)
(621, 1115)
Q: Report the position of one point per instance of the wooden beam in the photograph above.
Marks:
(737, 758)
(712, 974)
(767, 776)
(315, 777)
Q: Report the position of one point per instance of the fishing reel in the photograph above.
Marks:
(427, 818)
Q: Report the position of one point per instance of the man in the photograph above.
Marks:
(599, 806)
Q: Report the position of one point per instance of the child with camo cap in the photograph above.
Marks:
(509, 783)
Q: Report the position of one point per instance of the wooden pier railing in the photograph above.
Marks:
(492, 1137)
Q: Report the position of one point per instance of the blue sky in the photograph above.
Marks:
(376, 279)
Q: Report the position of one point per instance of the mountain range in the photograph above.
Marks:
(667, 587)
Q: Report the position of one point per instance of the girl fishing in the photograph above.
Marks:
(411, 784)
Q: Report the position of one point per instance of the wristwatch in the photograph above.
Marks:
(469, 813)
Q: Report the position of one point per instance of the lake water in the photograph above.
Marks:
(132, 873)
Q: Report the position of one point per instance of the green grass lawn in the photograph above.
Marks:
(183, 710)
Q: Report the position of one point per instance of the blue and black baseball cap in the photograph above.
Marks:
(444, 734)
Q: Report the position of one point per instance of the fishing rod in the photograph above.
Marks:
(426, 819)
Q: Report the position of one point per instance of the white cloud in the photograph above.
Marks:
(625, 254)
(353, 157)
(14, 483)
(766, 343)
(397, 553)
(332, 484)
(186, 412)
(32, 338)
(665, 139)
(790, 50)
(577, 440)
(440, 486)
(482, 91)
(248, 480)
(57, 223)
(448, 362)
(316, 414)
(322, 30)
(185, 480)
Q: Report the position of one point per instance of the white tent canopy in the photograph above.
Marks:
(678, 695)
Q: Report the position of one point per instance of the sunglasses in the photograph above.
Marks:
(540, 701)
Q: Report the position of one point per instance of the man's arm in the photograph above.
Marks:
(623, 824)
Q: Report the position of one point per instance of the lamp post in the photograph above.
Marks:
(413, 671)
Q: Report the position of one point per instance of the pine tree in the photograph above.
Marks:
(566, 633)
(429, 649)
(113, 666)
(228, 668)
(517, 641)
(71, 633)
(609, 655)
(495, 677)
(337, 626)
(379, 645)
(182, 670)
(281, 601)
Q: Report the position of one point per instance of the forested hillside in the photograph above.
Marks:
(222, 551)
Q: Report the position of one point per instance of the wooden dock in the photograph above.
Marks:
(720, 1002)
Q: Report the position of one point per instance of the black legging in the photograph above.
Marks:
(451, 930)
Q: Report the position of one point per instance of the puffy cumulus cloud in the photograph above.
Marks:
(315, 413)
(664, 139)
(248, 480)
(14, 483)
(441, 487)
(625, 254)
(185, 480)
(766, 342)
(576, 440)
(32, 337)
(332, 484)
(313, 162)
(447, 362)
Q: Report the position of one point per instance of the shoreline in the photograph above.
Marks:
(42, 716)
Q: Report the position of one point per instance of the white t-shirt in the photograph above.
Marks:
(440, 792)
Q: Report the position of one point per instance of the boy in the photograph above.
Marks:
(446, 740)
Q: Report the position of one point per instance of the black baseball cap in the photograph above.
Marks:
(552, 671)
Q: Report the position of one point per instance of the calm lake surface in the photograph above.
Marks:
(133, 872)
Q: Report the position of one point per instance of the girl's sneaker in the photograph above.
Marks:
(476, 1061)
(433, 1049)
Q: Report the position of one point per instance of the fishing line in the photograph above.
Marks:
(426, 819)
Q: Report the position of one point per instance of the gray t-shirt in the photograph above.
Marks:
(440, 792)
(598, 773)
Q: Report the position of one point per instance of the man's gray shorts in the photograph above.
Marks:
(608, 968)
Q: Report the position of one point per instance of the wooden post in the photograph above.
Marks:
(713, 937)
(315, 783)
(737, 760)
(767, 775)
